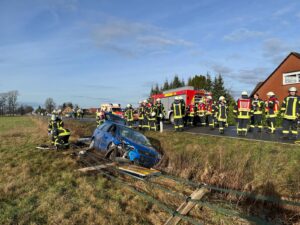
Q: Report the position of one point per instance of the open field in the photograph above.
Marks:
(43, 187)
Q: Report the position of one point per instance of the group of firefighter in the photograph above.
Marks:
(249, 113)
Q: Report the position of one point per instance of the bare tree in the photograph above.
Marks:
(3, 98)
(12, 97)
(49, 105)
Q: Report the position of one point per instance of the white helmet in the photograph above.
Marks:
(145, 101)
(292, 89)
(128, 105)
(209, 97)
(221, 98)
(176, 98)
(158, 100)
(180, 97)
(245, 93)
(270, 93)
(140, 102)
(153, 114)
(53, 117)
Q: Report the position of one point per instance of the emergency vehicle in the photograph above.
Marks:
(113, 108)
(188, 93)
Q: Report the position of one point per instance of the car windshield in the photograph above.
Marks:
(134, 136)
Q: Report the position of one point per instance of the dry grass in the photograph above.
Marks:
(43, 187)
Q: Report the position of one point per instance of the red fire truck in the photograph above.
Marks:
(188, 93)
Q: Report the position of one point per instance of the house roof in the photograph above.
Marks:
(259, 84)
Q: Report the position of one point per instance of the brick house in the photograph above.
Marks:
(286, 75)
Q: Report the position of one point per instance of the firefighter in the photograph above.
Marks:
(210, 110)
(59, 135)
(141, 115)
(191, 109)
(151, 114)
(257, 111)
(271, 110)
(290, 110)
(177, 113)
(146, 111)
(79, 113)
(183, 110)
(100, 117)
(129, 115)
(243, 112)
(160, 112)
(201, 112)
(222, 110)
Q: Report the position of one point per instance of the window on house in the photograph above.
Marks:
(291, 78)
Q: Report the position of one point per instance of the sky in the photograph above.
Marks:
(91, 52)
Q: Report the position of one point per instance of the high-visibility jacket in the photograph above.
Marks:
(129, 114)
(201, 109)
(209, 108)
(191, 110)
(222, 110)
(177, 109)
(257, 106)
(149, 110)
(141, 112)
(272, 107)
(243, 108)
(291, 107)
(160, 110)
(55, 124)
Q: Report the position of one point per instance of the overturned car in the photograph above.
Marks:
(121, 143)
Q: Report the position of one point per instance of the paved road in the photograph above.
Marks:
(230, 132)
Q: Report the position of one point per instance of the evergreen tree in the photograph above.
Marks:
(209, 83)
(176, 82)
(166, 85)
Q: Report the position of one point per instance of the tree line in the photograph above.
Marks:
(9, 104)
(50, 106)
(216, 86)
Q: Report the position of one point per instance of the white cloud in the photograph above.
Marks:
(283, 11)
(276, 49)
(243, 34)
(131, 38)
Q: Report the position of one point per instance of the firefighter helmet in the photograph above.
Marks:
(221, 98)
(176, 98)
(209, 97)
(140, 102)
(53, 117)
(292, 89)
(158, 100)
(153, 114)
(180, 97)
(145, 101)
(245, 93)
(270, 93)
(128, 105)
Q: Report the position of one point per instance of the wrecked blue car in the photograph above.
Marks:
(120, 143)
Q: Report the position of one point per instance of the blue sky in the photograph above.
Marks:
(90, 52)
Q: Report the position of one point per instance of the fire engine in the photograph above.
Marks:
(188, 93)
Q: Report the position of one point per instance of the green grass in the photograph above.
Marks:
(43, 187)
(266, 168)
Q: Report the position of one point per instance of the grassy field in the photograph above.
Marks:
(43, 187)
(258, 167)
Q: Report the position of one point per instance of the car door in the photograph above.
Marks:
(108, 135)
(99, 133)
